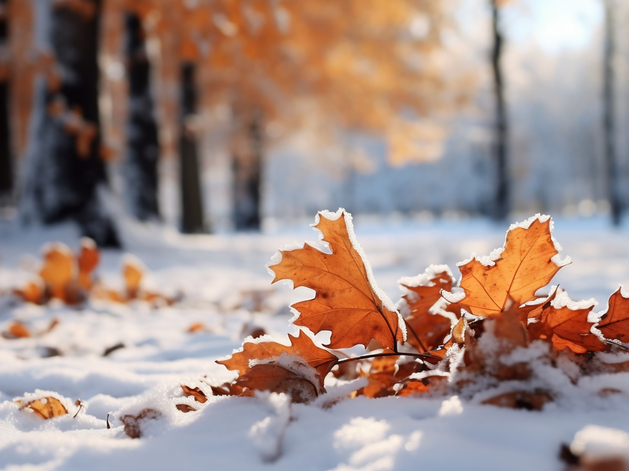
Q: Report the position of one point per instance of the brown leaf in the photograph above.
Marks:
(614, 324)
(384, 373)
(523, 267)
(302, 345)
(521, 400)
(198, 395)
(425, 293)
(46, 407)
(427, 331)
(421, 387)
(185, 408)
(566, 328)
(276, 378)
(347, 301)
(133, 423)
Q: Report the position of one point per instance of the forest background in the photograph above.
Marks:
(215, 115)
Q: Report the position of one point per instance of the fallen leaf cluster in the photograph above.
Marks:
(483, 336)
(69, 277)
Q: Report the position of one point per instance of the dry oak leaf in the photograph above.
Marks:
(526, 264)
(529, 400)
(133, 423)
(614, 324)
(566, 327)
(384, 373)
(347, 301)
(287, 374)
(46, 407)
(426, 331)
(425, 289)
(302, 346)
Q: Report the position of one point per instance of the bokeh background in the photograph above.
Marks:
(223, 115)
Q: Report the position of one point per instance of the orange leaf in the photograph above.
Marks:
(58, 269)
(89, 258)
(31, 293)
(567, 328)
(426, 290)
(16, 330)
(46, 407)
(347, 301)
(132, 272)
(524, 266)
(615, 322)
(302, 345)
(275, 377)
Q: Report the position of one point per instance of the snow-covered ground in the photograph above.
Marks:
(220, 280)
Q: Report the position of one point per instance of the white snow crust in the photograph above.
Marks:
(266, 432)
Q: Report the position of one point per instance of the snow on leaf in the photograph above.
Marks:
(46, 407)
(614, 324)
(524, 266)
(302, 345)
(347, 301)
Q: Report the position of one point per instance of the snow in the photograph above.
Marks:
(214, 274)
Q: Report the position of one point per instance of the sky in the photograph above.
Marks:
(554, 24)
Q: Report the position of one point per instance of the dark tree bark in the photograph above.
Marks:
(6, 158)
(143, 145)
(192, 220)
(247, 171)
(501, 202)
(67, 167)
(608, 117)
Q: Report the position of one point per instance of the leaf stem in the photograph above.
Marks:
(421, 356)
(421, 344)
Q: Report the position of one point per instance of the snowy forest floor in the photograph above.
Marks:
(220, 281)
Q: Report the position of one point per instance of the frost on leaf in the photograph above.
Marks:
(288, 375)
(347, 301)
(566, 326)
(302, 345)
(426, 331)
(525, 265)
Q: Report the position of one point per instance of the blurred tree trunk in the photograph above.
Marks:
(6, 164)
(608, 115)
(191, 200)
(143, 145)
(501, 202)
(247, 161)
(65, 166)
